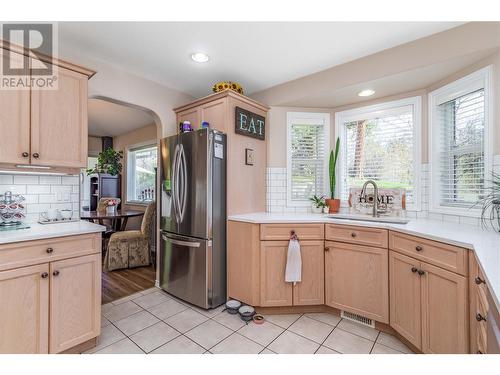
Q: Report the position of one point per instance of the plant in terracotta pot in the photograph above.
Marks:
(318, 204)
(333, 203)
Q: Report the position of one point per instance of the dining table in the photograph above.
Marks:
(117, 218)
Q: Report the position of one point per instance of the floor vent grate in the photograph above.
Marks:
(357, 318)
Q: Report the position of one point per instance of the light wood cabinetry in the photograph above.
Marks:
(59, 122)
(75, 291)
(356, 279)
(192, 115)
(24, 310)
(276, 232)
(356, 235)
(311, 290)
(43, 126)
(274, 291)
(55, 304)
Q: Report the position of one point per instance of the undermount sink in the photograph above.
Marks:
(380, 219)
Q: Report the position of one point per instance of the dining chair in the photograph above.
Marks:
(130, 248)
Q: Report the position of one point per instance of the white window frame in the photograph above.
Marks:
(376, 110)
(305, 118)
(131, 148)
(474, 81)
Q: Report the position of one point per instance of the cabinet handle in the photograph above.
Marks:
(414, 269)
(353, 235)
(25, 154)
(327, 249)
(419, 248)
(479, 281)
(49, 250)
(36, 155)
(479, 317)
(479, 352)
(420, 272)
(44, 275)
(55, 273)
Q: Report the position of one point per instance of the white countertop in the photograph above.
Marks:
(41, 231)
(485, 243)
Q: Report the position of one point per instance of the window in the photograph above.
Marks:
(460, 150)
(141, 164)
(307, 150)
(381, 143)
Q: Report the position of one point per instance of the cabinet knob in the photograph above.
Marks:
(419, 248)
(479, 352)
(36, 155)
(420, 272)
(353, 234)
(479, 317)
(55, 273)
(44, 275)
(327, 249)
(25, 154)
(414, 269)
(49, 250)
(479, 281)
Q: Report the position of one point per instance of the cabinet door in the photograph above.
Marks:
(59, 122)
(444, 311)
(404, 289)
(192, 115)
(24, 310)
(14, 120)
(75, 299)
(274, 291)
(311, 290)
(357, 279)
(215, 114)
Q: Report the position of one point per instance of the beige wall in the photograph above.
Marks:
(277, 115)
(121, 143)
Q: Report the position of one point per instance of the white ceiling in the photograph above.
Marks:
(107, 119)
(257, 55)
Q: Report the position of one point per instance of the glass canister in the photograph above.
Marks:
(12, 209)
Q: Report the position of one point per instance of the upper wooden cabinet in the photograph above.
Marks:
(59, 127)
(45, 127)
(24, 310)
(357, 280)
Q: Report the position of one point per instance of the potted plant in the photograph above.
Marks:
(318, 204)
(490, 202)
(333, 203)
(108, 161)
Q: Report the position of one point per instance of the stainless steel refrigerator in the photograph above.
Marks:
(193, 217)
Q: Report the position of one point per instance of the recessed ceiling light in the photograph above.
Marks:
(367, 92)
(200, 57)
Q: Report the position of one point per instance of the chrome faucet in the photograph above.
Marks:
(375, 195)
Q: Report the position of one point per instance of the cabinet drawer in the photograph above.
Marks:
(27, 253)
(357, 235)
(281, 232)
(439, 254)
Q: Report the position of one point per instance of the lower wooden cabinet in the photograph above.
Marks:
(24, 310)
(75, 298)
(274, 291)
(357, 279)
(428, 305)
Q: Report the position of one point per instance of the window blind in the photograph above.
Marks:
(308, 158)
(379, 146)
(461, 159)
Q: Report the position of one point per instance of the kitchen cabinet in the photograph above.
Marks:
(59, 122)
(428, 305)
(60, 306)
(311, 290)
(46, 127)
(274, 291)
(75, 299)
(14, 121)
(24, 310)
(356, 279)
(191, 115)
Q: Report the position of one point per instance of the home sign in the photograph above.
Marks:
(250, 124)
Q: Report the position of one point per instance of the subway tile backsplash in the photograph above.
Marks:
(276, 196)
(43, 192)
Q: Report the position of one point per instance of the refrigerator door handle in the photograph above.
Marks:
(181, 243)
(182, 202)
(175, 184)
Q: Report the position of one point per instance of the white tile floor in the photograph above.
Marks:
(154, 322)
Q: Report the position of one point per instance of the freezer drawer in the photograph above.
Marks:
(186, 268)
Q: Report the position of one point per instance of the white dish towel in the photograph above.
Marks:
(293, 271)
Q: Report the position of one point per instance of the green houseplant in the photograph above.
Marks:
(108, 161)
(318, 204)
(490, 204)
(333, 203)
